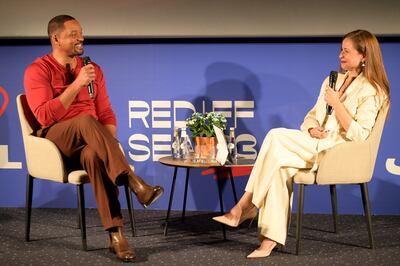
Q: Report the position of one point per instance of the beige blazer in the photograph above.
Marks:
(362, 103)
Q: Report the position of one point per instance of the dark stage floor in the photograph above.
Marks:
(56, 240)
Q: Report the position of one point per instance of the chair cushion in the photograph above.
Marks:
(81, 177)
(305, 177)
(78, 177)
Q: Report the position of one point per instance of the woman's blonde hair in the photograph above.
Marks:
(373, 69)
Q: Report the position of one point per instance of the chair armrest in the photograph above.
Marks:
(44, 160)
(346, 163)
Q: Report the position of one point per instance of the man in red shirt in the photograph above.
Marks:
(84, 129)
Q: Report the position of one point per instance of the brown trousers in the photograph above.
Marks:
(87, 144)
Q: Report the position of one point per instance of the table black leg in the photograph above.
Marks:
(219, 184)
(171, 196)
(185, 196)
(233, 185)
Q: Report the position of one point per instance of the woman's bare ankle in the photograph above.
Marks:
(245, 201)
(266, 243)
(246, 206)
(236, 211)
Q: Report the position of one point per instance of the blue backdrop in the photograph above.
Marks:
(153, 87)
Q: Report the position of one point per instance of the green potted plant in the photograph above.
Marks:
(201, 126)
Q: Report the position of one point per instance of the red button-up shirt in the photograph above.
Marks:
(45, 79)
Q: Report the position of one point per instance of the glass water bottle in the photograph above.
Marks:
(232, 148)
(176, 145)
(186, 144)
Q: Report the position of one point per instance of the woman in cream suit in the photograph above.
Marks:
(356, 99)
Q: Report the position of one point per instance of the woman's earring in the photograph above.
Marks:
(363, 64)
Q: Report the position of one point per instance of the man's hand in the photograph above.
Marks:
(85, 76)
(318, 132)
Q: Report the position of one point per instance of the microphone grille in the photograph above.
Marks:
(86, 60)
(333, 75)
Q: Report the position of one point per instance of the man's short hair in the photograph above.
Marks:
(57, 23)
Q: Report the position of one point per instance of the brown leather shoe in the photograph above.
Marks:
(120, 246)
(145, 194)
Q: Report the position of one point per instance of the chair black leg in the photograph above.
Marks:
(79, 216)
(289, 220)
(334, 207)
(185, 195)
(367, 211)
(300, 207)
(82, 220)
(28, 205)
(131, 209)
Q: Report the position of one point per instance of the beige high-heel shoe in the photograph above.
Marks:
(250, 213)
(261, 253)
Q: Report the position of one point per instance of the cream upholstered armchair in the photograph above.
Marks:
(346, 163)
(44, 161)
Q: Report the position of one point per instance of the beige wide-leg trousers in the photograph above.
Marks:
(282, 154)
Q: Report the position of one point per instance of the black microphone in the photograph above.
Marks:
(86, 61)
(332, 82)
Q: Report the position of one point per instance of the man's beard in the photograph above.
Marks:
(78, 51)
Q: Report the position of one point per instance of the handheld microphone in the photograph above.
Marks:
(332, 82)
(86, 61)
